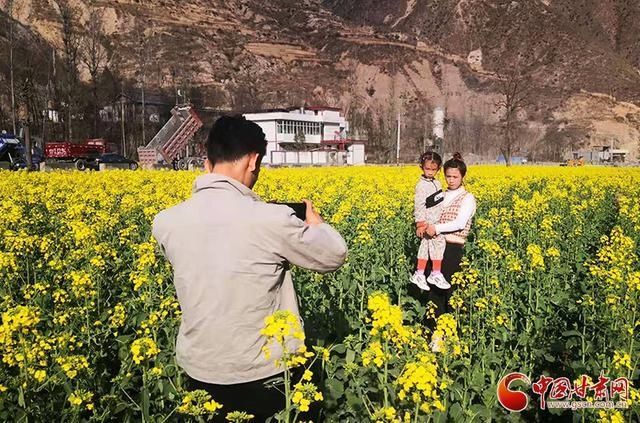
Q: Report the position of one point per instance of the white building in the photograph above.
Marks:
(308, 136)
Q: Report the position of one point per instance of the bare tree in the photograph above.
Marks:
(143, 58)
(11, 77)
(95, 56)
(560, 138)
(29, 93)
(417, 128)
(244, 90)
(515, 86)
(71, 47)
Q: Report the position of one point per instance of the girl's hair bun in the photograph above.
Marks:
(458, 156)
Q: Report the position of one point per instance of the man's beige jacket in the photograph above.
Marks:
(230, 253)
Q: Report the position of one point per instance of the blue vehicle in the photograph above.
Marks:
(12, 153)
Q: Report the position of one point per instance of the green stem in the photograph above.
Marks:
(386, 373)
(633, 323)
(287, 395)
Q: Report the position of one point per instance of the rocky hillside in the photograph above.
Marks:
(378, 58)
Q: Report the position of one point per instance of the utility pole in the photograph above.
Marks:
(144, 139)
(124, 142)
(398, 142)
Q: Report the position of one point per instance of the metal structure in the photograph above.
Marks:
(172, 140)
(13, 153)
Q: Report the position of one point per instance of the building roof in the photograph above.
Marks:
(256, 111)
(317, 108)
(287, 115)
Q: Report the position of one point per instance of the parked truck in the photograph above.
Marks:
(169, 147)
(80, 154)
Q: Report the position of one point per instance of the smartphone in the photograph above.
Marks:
(300, 209)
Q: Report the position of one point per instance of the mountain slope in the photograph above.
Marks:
(376, 58)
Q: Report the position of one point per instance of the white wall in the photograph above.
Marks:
(356, 154)
(353, 156)
(271, 146)
(277, 157)
(319, 157)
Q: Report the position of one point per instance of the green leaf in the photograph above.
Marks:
(351, 356)
(480, 410)
(455, 411)
(336, 388)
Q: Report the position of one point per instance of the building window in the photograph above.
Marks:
(295, 127)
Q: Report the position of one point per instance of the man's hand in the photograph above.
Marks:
(312, 218)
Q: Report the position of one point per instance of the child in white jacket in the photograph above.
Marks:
(427, 208)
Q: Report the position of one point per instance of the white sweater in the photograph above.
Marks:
(467, 210)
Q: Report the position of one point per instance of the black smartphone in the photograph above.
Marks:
(300, 209)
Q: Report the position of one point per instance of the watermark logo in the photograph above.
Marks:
(513, 400)
(562, 393)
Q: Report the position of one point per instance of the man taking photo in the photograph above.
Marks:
(230, 253)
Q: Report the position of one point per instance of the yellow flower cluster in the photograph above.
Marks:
(117, 316)
(20, 319)
(81, 284)
(419, 383)
(491, 247)
(536, 259)
(629, 208)
(143, 349)
(72, 364)
(552, 252)
(8, 262)
(622, 361)
(457, 302)
(305, 393)
(239, 417)
(387, 320)
(283, 329)
(614, 261)
(198, 403)
(18, 326)
(445, 336)
(81, 399)
(466, 276)
(610, 416)
(386, 415)
(374, 353)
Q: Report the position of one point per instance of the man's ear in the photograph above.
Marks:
(254, 161)
(208, 166)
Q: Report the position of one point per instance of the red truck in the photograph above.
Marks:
(77, 153)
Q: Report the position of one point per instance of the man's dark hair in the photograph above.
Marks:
(232, 137)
